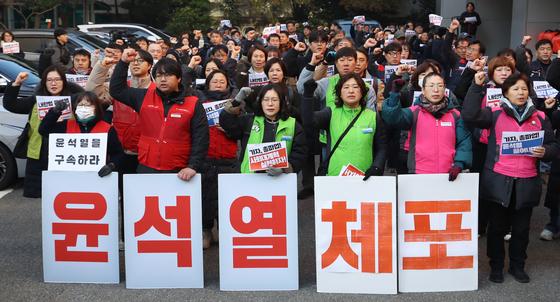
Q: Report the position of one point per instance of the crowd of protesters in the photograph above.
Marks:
(348, 100)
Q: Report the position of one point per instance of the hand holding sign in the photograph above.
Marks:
(538, 152)
(21, 77)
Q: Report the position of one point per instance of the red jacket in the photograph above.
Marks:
(101, 127)
(165, 142)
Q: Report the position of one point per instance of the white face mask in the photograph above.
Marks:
(85, 113)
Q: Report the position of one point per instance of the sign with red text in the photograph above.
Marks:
(163, 231)
(79, 79)
(438, 228)
(45, 103)
(258, 232)
(80, 227)
(265, 155)
(355, 235)
(493, 97)
(10, 47)
(351, 170)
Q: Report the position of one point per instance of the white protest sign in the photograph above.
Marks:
(544, 90)
(80, 227)
(409, 33)
(257, 79)
(520, 143)
(163, 231)
(78, 79)
(265, 155)
(283, 27)
(258, 232)
(213, 110)
(351, 170)
(411, 62)
(267, 31)
(10, 47)
(389, 70)
(359, 19)
(294, 36)
(470, 20)
(355, 235)
(437, 230)
(390, 39)
(435, 19)
(45, 103)
(225, 23)
(77, 151)
(198, 82)
(493, 97)
(330, 70)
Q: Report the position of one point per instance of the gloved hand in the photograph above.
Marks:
(234, 107)
(106, 170)
(373, 171)
(59, 106)
(398, 84)
(309, 88)
(454, 172)
(243, 94)
(271, 171)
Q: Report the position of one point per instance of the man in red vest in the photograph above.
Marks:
(173, 125)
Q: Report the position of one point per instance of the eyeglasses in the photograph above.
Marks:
(52, 80)
(138, 61)
(271, 100)
(394, 53)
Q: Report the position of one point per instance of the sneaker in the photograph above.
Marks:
(307, 192)
(548, 235)
(507, 237)
(496, 276)
(206, 239)
(519, 274)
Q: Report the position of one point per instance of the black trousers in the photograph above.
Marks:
(32, 183)
(500, 220)
(212, 168)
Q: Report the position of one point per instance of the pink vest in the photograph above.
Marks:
(516, 166)
(434, 149)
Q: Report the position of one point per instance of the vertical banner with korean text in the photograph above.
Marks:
(438, 227)
(80, 227)
(163, 231)
(258, 232)
(355, 235)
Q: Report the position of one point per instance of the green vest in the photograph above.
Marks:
(356, 147)
(285, 132)
(330, 99)
(35, 139)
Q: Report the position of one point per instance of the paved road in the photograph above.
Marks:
(21, 269)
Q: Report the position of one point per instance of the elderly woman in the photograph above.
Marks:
(510, 184)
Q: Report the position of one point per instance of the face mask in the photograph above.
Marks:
(85, 114)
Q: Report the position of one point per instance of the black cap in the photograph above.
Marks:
(59, 32)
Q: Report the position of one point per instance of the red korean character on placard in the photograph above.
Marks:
(275, 245)
(339, 216)
(181, 212)
(95, 211)
(422, 232)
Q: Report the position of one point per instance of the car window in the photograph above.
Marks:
(97, 43)
(10, 69)
(33, 44)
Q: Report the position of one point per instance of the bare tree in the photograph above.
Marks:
(28, 9)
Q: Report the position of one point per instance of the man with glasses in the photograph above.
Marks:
(173, 126)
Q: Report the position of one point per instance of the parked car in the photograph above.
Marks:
(130, 29)
(34, 41)
(346, 24)
(11, 124)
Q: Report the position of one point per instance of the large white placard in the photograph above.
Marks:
(80, 227)
(355, 235)
(258, 232)
(438, 228)
(77, 151)
(163, 231)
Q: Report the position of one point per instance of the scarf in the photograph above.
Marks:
(436, 109)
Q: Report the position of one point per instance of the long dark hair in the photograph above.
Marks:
(42, 88)
(284, 112)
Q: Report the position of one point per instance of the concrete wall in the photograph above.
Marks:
(541, 15)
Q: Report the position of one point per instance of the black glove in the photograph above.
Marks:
(59, 106)
(398, 84)
(309, 88)
(454, 172)
(373, 171)
(106, 170)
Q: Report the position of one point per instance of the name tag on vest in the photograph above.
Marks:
(446, 124)
(176, 115)
(367, 130)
